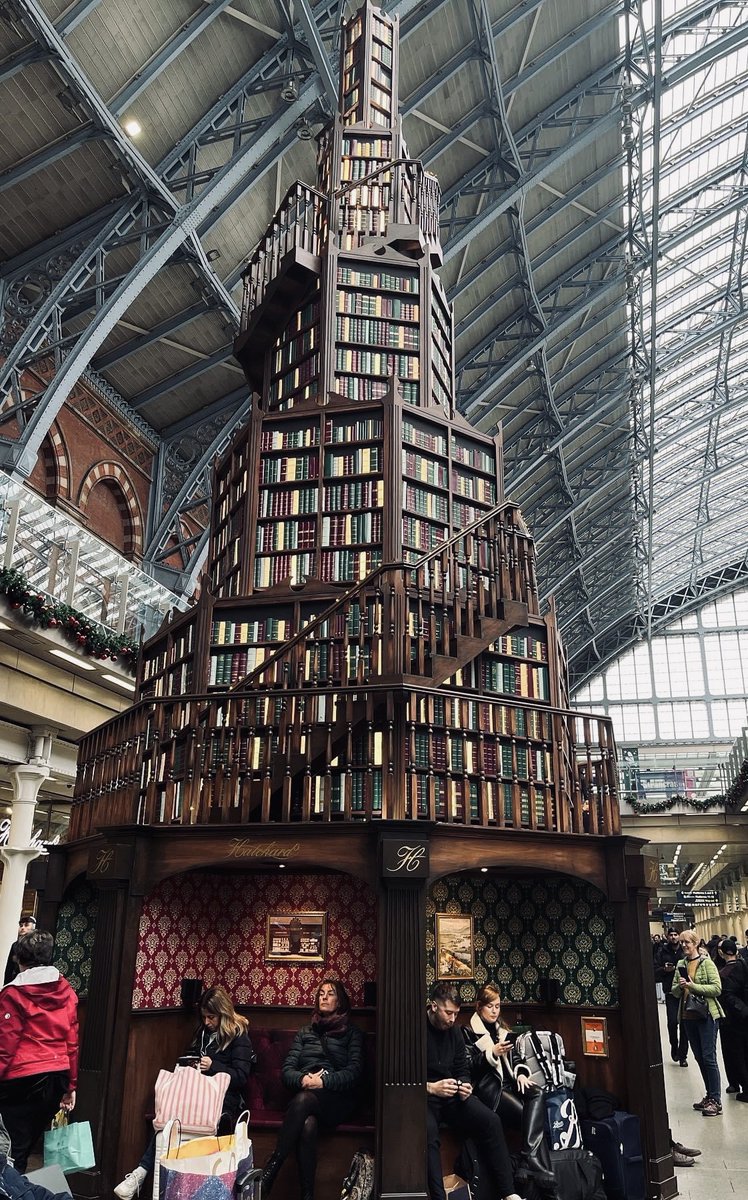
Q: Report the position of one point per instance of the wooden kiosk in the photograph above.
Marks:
(363, 723)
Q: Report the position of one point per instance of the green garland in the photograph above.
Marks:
(88, 636)
(729, 799)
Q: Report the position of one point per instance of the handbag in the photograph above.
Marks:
(697, 1006)
(204, 1168)
(562, 1120)
(196, 1100)
(69, 1147)
(359, 1182)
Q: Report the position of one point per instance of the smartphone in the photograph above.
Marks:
(510, 1039)
(188, 1060)
(683, 972)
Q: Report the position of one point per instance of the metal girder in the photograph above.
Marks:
(179, 378)
(197, 420)
(314, 42)
(155, 334)
(51, 153)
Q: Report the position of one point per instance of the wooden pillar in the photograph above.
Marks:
(401, 1016)
(630, 885)
(103, 1056)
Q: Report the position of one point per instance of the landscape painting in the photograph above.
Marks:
(454, 947)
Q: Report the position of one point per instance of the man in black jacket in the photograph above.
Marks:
(735, 1003)
(665, 966)
(450, 1099)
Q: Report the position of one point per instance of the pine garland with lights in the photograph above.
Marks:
(88, 636)
(729, 799)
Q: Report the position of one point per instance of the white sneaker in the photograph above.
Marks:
(131, 1184)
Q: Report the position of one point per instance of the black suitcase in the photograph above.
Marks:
(578, 1175)
(617, 1142)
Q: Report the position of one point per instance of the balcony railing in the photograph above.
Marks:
(63, 561)
(344, 755)
(299, 224)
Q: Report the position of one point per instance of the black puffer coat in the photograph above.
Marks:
(341, 1057)
(235, 1060)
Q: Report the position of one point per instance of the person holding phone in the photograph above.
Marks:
(697, 976)
(450, 1099)
(503, 1083)
(220, 1044)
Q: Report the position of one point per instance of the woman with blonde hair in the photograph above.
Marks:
(698, 984)
(220, 1044)
(503, 1083)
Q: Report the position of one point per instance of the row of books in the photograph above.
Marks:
(381, 74)
(381, 97)
(285, 397)
(348, 430)
(376, 194)
(264, 629)
(333, 661)
(276, 569)
(291, 351)
(353, 169)
(294, 379)
(287, 438)
(379, 278)
(440, 393)
(308, 315)
(473, 487)
(360, 224)
(358, 387)
(366, 305)
(473, 456)
(352, 528)
(298, 466)
(425, 438)
(287, 535)
(521, 646)
(373, 332)
(375, 362)
(516, 679)
(493, 802)
(363, 461)
(348, 566)
(367, 147)
(441, 752)
(422, 535)
(340, 497)
(479, 716)
(416, 466)
(229, 666)
(427, 504)
(288, 502)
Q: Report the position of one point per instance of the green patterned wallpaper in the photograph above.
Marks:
(74, 937)
(524, 929)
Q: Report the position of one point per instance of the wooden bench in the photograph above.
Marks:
(267, 1100)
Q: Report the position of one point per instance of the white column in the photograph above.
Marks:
(27, 778)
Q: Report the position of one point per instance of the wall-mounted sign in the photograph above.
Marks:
(595, 1037)
(246, 848)
(36, 842)
(405, 859)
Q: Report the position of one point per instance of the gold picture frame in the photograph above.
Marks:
(595, 1037)
(455, 950)
(299, 937)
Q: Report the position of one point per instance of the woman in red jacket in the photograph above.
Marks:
(38, 1045)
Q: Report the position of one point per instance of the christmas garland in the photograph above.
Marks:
(88, 636)
(729, 799)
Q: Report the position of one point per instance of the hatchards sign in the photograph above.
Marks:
(406, 859)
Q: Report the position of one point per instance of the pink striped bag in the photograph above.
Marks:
(196, 1100)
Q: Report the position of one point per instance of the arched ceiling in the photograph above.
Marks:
(592, 158)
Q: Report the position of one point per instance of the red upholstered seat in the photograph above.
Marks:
(267, 1098)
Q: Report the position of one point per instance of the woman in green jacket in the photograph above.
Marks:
(697, 976)
(324, 1068)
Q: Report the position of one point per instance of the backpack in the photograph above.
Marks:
(359, 1182)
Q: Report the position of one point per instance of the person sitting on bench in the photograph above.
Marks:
(451, 1102)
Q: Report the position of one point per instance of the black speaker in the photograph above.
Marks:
(370, 993)
(191, 990)
(548, 989)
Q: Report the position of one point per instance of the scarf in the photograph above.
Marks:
(332, 1025)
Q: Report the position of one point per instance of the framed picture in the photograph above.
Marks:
(296, 937)
(595, 1037)
(454, 947)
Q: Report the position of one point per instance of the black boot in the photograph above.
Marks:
(536, 1158)
(270, 1171)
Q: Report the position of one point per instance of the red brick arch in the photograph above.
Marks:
(116, 476)
(57, 485)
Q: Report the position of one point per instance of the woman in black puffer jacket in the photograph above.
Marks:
(324, 1068)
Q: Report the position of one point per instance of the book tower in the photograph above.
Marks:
(370, 628)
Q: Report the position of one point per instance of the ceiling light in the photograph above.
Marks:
(133, 128)
(304, 131)
(125, 683)
(213, 254)
(77, 662)
(290, 91)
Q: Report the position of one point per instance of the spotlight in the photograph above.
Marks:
(290, 91)
(304, 131)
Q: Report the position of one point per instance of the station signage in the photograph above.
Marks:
(36, 842)
(698, 899)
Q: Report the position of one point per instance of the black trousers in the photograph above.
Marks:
(309, 1109)
(734, 1038)
(472, 1119)
(675, 1030)
(28, 1106)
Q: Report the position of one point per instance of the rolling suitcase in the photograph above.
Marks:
(616, 1141)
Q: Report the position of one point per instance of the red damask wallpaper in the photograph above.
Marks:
(212, 927)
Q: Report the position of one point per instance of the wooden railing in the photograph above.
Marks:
(403, 617)
(299, 223)
(348, 754)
